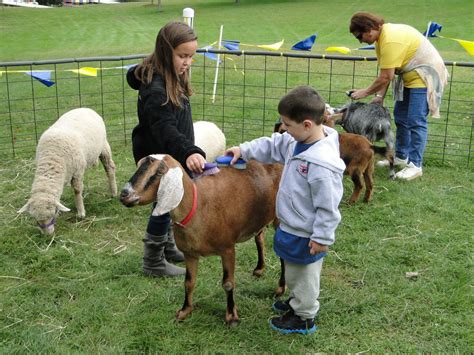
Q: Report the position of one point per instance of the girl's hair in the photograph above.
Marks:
(362, 22)
(160, 61)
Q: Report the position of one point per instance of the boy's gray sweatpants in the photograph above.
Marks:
(303, 282)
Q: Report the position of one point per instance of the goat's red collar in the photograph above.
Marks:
(191, 213)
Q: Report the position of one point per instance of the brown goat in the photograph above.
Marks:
(231, 207)
(358, 154)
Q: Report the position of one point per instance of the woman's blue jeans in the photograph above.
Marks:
(411, 119)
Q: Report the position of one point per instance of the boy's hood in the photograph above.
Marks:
(324, 152)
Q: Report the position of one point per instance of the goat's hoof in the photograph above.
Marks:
(280, 290)
(258, 272)
(182, 314)
(232, 321)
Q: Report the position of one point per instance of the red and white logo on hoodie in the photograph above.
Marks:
(303, 169)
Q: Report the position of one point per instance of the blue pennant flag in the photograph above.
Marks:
(231, 45)
(369, 47)
(306, 44)
(43, 77)
(212, 56)
(432, 28)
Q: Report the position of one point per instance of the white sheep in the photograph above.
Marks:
(73, 143)
(209, 138)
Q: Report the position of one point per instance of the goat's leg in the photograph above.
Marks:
(189, 284)
(228, 283)
(260, 242)
(77, 183)
(357, 180)
(109, 166)
(281, 282)
(389, 142)
(369, 181)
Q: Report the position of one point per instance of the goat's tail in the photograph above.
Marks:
(379, 150)
(388, 154)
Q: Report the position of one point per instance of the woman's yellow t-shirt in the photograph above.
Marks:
(395, 47)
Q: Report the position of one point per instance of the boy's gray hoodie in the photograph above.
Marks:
(311, 184)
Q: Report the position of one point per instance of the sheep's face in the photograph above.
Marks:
(44, 211)
(158, 178)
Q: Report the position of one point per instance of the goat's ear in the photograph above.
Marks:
(61, 207)
(162, 168)
(24, 208)
(170, 192)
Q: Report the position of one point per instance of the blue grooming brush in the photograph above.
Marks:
(226, 159)
(209, 169)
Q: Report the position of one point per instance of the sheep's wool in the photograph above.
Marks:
(170, 193)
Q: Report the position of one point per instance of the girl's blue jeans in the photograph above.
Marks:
(158, 225)
(411, 119)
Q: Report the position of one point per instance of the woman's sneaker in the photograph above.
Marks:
(291, 323)
(410, 172)
(281, 306)
(396, 162)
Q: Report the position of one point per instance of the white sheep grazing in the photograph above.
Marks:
(209, 138)
(73, 143)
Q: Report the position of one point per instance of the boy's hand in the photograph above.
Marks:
(195, 162)
(316, 248)
(235, 152)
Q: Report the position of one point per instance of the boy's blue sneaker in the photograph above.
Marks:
(281, 306)
(291, 323)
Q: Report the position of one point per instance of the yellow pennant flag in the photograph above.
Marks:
(88, 71)
(272, 47)
(467, 45)
(343, 50)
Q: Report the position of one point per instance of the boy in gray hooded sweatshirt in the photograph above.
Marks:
(307, 201)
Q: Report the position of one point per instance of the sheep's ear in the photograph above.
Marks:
(24, 208)
(61, 207)
(170, 192)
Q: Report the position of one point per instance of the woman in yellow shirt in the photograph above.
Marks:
(419, 76)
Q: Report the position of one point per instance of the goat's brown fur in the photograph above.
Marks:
(232, 206)
(358, 154)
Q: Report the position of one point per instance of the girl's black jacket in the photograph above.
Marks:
(162, 128)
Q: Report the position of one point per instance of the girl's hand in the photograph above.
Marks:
(235, 151)
(195, 162)
(316, 248)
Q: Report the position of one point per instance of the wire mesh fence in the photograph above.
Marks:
(239, 92)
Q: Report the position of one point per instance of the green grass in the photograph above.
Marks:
(131, 28)
(82, 291)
